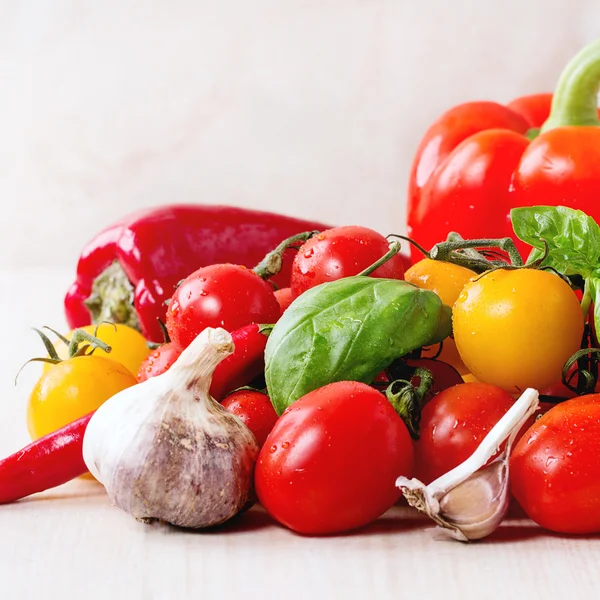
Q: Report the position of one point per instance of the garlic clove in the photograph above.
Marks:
(475, 507)
(166, 450)
(471, 500)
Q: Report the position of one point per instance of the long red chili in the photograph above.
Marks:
(46, 463)
(245, 364)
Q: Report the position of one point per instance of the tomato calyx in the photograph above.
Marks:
(271, 264)
(81, 344)
(586, 360)
(165, 334)
(408, 399)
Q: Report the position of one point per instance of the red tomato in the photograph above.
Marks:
(255, 409)
(228, 296)
(341, 252)
(284, 297)
(331, 462)
(454, 423)
(555, 471)
(158, 361)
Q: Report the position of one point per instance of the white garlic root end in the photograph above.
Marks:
(471, 500)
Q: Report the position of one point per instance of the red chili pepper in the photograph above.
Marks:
(476, 162)
(46, 463)
(245, 364)
(149, 252)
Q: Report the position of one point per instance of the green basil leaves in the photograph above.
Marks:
(349, 329)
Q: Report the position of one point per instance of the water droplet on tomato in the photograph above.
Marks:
(273, 448)
(285, 445)
(551, 460)
(308, 253)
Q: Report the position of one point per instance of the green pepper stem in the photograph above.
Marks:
(575, 100)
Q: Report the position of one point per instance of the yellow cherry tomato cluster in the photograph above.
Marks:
(514, 328)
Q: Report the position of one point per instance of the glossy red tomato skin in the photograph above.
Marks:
(454, 423)
(256, 411)
(555, 467)
(285, 297)
(228, 296)
(331, 462)
(342, 252)
(158, 361)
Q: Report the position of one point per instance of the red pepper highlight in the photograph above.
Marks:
(156, 248)
(46, 463)
(477, 161)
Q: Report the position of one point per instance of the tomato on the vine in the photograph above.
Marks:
(228, 296)
(255, 409)
(342, 252)
(158, 361)
(331, 462)
(128, 346)
(517, 328)
(555, 470)
(447, 281)
(454, 423)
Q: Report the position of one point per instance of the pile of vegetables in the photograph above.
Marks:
(221, 357)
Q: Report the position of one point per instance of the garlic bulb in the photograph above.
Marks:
(472, 499)
(164, 449)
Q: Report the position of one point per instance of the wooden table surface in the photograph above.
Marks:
(71, 543)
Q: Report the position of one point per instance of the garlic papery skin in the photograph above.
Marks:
(164, 449)
(471, 500)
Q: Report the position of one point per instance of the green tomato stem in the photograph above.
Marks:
(394, 249)
(575, 100)
(271, 264)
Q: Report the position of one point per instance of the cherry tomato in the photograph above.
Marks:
(555, 471)
(159, 361)
(454, 423)
(341, 252)
(228, 296)
(447, 281)
(284, 297)
(255, 409)
(516, 328)
(71, 389)
(128, 346)
(331, 462)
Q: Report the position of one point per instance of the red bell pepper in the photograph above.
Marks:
(127, 271)
(476, 162)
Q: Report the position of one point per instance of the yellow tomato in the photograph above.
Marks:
(516, 328)
(447, 281)
(128, 345)
(72, 389)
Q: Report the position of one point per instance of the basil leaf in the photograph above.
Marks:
(573, 237)
(349, 329)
